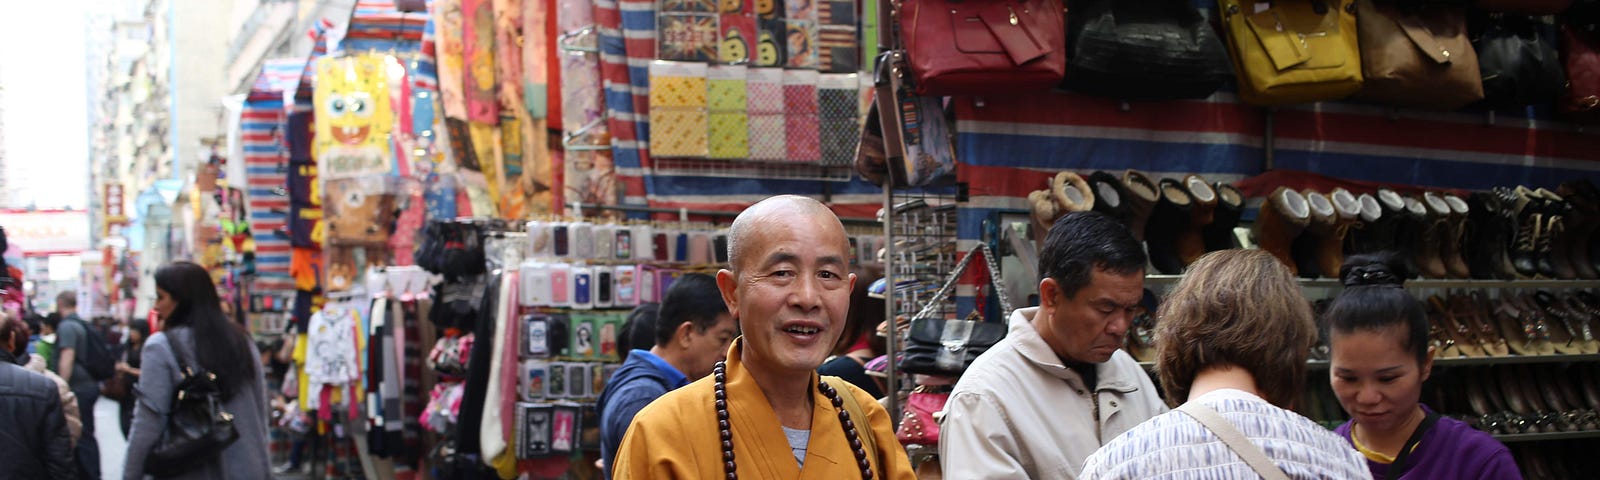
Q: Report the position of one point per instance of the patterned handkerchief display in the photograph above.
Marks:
(690, 37)
(677, 84)
(802, 139)
(837, 44)
(770, 44)
(448, 51)
(800, 10)
(688, 6)
(730, 135)
(731, 7)
(839, 104)
(726, 88)
(801, 38)
(678, 122)
(764, 88)
(738, 38)
(770, 9)
(726, 98)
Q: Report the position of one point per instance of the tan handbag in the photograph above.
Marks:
(1293, 51)
(1420, 57)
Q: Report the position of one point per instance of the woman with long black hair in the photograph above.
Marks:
(194, 326)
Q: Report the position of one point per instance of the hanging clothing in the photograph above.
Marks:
(331, 356)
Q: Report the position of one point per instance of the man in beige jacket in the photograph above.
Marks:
(1039, 402)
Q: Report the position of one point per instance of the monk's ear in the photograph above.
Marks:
(727, 284)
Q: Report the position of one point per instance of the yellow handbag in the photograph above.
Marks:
(1293, 51)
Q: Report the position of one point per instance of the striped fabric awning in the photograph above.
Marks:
(277, 76)
(378, 25)
(266, 162)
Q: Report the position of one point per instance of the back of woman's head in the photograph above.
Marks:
(1374, 300)
(1241, 309)
(13, 334)
(220, 346)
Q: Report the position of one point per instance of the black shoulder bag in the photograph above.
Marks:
(198, 430)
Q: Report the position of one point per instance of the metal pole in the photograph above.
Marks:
(889, 342)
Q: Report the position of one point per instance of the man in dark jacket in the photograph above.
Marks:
(693, 330)
(33, 432)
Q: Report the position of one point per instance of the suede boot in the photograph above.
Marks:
(1044, 213)
(1426, 247)
(1071, 193)
(1170, 217)
(1321, 225)
(1191, 241)
(1379, 232)
(1582, 223)
(1410, 232)
(1347, 212)
(1230, 206)
(1283, 217)
(1487, 232)
(1109, 197)
(1530, 225)
(1554, 242)
(1142, 196)
(1450, 247)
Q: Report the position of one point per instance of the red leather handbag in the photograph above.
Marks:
(984, 47)
(1530, 7)
(917, 425)
(1582, 50)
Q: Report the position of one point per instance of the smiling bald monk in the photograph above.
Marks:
(765, 413)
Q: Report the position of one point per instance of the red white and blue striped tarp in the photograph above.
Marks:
(265, 161)
(378, 25)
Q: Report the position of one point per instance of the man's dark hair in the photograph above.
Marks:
(639, 332)
(693, 298)
(1081, 242)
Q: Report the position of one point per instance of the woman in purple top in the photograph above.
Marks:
(1379, 337)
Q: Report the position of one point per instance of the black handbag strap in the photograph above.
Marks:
(933, 304)
(1399, 466)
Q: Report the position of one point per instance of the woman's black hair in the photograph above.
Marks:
(1374, 298)
(221, 347)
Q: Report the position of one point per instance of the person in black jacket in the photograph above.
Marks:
(34, 443)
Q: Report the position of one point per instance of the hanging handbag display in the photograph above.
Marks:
(1581, 45)
(937, 346)
(1293, 51)
(1417, 56)
(1143, 50)
(197, 429)
(1007, 47)
(917, 424)
(1519, 67)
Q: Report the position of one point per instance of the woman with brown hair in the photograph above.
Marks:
(1231, 345)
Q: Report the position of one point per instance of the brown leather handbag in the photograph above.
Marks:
(1417, 56)
(984, 47)
(1530, 7)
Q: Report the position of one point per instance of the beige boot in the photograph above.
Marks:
(1282, 218)
(1071, 193)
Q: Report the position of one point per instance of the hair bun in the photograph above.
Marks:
(1365, 270)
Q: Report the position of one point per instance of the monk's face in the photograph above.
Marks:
(792, 290)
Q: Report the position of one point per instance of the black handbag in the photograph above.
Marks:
(936, 346)
(1143, 50)
(1520, 66)
(198, 429)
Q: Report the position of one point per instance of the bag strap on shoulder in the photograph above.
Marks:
(1236, 441)
(863, 427)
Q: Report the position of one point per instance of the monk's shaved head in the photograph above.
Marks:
(774, 212)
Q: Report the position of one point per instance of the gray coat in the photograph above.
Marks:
(245, 459)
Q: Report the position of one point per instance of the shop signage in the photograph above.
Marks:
(47, 232)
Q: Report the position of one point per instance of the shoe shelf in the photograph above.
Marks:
(1535, 437)
(1421, 283)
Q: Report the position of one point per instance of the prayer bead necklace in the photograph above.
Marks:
(726, 429)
